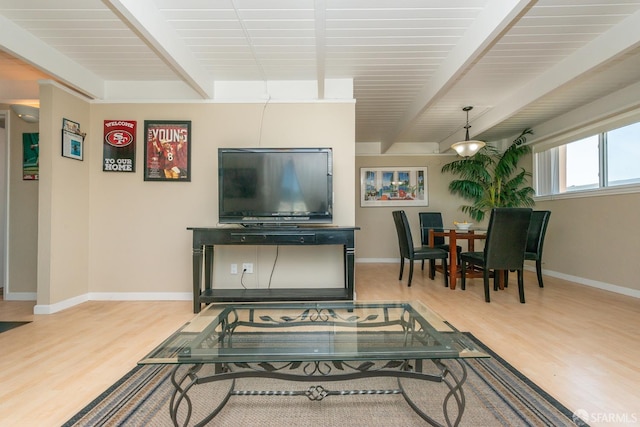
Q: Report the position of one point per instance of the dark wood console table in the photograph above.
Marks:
(205, 239)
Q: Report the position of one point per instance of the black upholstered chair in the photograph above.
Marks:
(535, 240)
(412, 253)
(504, 247)
(433, 221)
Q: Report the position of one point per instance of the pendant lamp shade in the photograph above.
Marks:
(468, 147)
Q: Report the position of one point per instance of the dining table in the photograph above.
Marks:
(454, 234)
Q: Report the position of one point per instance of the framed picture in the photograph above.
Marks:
(119, 146)
(30, 156)
(393, 186)
(70, 126)
(167, 150)
(72, 145)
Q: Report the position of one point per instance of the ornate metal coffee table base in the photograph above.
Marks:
(183, 382)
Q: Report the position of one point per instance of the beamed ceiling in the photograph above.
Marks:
(414, 64)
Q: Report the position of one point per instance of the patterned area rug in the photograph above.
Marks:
(496, 395)
(5, 326)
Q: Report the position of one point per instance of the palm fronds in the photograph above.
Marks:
(487, 179)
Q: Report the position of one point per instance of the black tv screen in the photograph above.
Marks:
(275, 185)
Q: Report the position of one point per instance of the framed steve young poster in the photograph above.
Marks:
(167, 150)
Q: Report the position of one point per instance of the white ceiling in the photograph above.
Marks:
(414, 63)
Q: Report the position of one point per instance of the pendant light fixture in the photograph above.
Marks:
(467, 148)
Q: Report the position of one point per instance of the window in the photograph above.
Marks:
(582, 165)
(599, 161)
(623, 155)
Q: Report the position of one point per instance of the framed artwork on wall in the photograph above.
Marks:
(393, 186)
(70, 126)
(30, 156)
(167, 150)
(72, 145)
(119, 146)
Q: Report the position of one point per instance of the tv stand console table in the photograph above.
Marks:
(205, 239)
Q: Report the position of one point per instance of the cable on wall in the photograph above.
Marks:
(273, 268)
(264, 108)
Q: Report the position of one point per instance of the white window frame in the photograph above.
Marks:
(549, 171)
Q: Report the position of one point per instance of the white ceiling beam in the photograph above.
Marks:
(26, 46)
(145, 19)
(604, 48)
(496, 16)
(321, 49)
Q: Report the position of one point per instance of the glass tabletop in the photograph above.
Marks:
(304, 331)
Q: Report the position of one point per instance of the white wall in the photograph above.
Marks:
(139, 240)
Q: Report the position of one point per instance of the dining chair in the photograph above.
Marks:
(433, 221)
(410, 252)
(504, 247)
(535, 240)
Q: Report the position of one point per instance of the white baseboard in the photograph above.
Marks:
(19, 296)
(59, 306)
(593, 283)
(187, 296)
(112, 296)
(580, 280)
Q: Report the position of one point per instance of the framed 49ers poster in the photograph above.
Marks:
(119, 146)
(167, 150)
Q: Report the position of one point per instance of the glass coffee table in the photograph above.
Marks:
(316, 341)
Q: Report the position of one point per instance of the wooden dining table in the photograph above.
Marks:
(454, 235)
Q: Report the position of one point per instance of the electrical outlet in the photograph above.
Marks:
(247, 267)
(234, 268)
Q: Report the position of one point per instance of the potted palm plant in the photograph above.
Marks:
(492, 179)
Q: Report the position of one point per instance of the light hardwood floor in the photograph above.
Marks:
(580, 344)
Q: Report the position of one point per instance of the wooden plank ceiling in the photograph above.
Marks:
(414, 63)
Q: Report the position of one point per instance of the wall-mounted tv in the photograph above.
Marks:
(275, 186)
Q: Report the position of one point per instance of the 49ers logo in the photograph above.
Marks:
(118, 138)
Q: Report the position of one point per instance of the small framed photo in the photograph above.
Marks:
(167, 150)
(72, 145)
(70, 126)
(393, 186)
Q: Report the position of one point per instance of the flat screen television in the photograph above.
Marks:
(275, 186)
